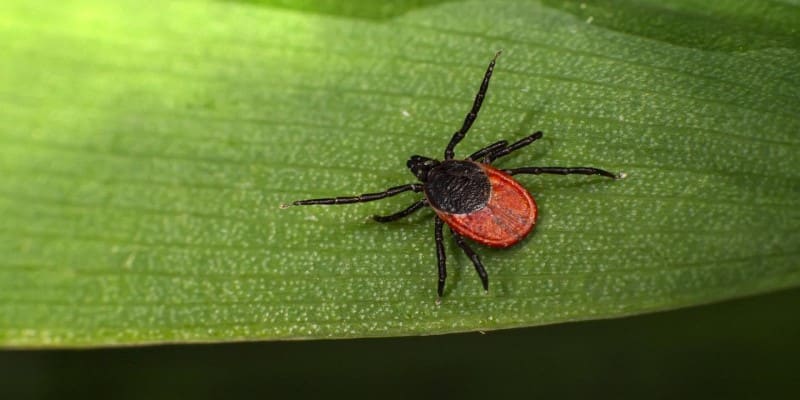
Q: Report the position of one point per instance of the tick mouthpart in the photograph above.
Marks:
(284, 205)
(621, 175)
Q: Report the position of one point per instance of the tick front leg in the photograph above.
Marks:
(393, 217)
(476, 260)
(514, 146)
(562, 171)
(492, 148)
(473, 113)
(416, 187)
(440, 257)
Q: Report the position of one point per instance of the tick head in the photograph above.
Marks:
(420, 166)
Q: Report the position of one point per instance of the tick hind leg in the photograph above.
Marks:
(562, 171)
(441, 258)
(476, 260)
(400, 214)
(473, 113)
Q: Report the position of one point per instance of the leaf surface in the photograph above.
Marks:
(144, 152)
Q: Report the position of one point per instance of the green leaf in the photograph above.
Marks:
(144, 152)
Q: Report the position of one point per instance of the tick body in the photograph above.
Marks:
(480, 202)
(475, 199)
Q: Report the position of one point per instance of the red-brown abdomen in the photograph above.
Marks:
(508, 217)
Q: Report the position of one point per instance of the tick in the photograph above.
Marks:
(475, 199)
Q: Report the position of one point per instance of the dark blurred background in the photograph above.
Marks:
(747, 348)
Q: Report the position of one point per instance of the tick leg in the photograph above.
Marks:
(492, 148)
(393, 217)
(473, 113)
(514, 147)
(440, 257)
(561, 171)
(416, 187)
(475, 260)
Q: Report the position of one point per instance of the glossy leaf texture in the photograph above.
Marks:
(145, 150)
